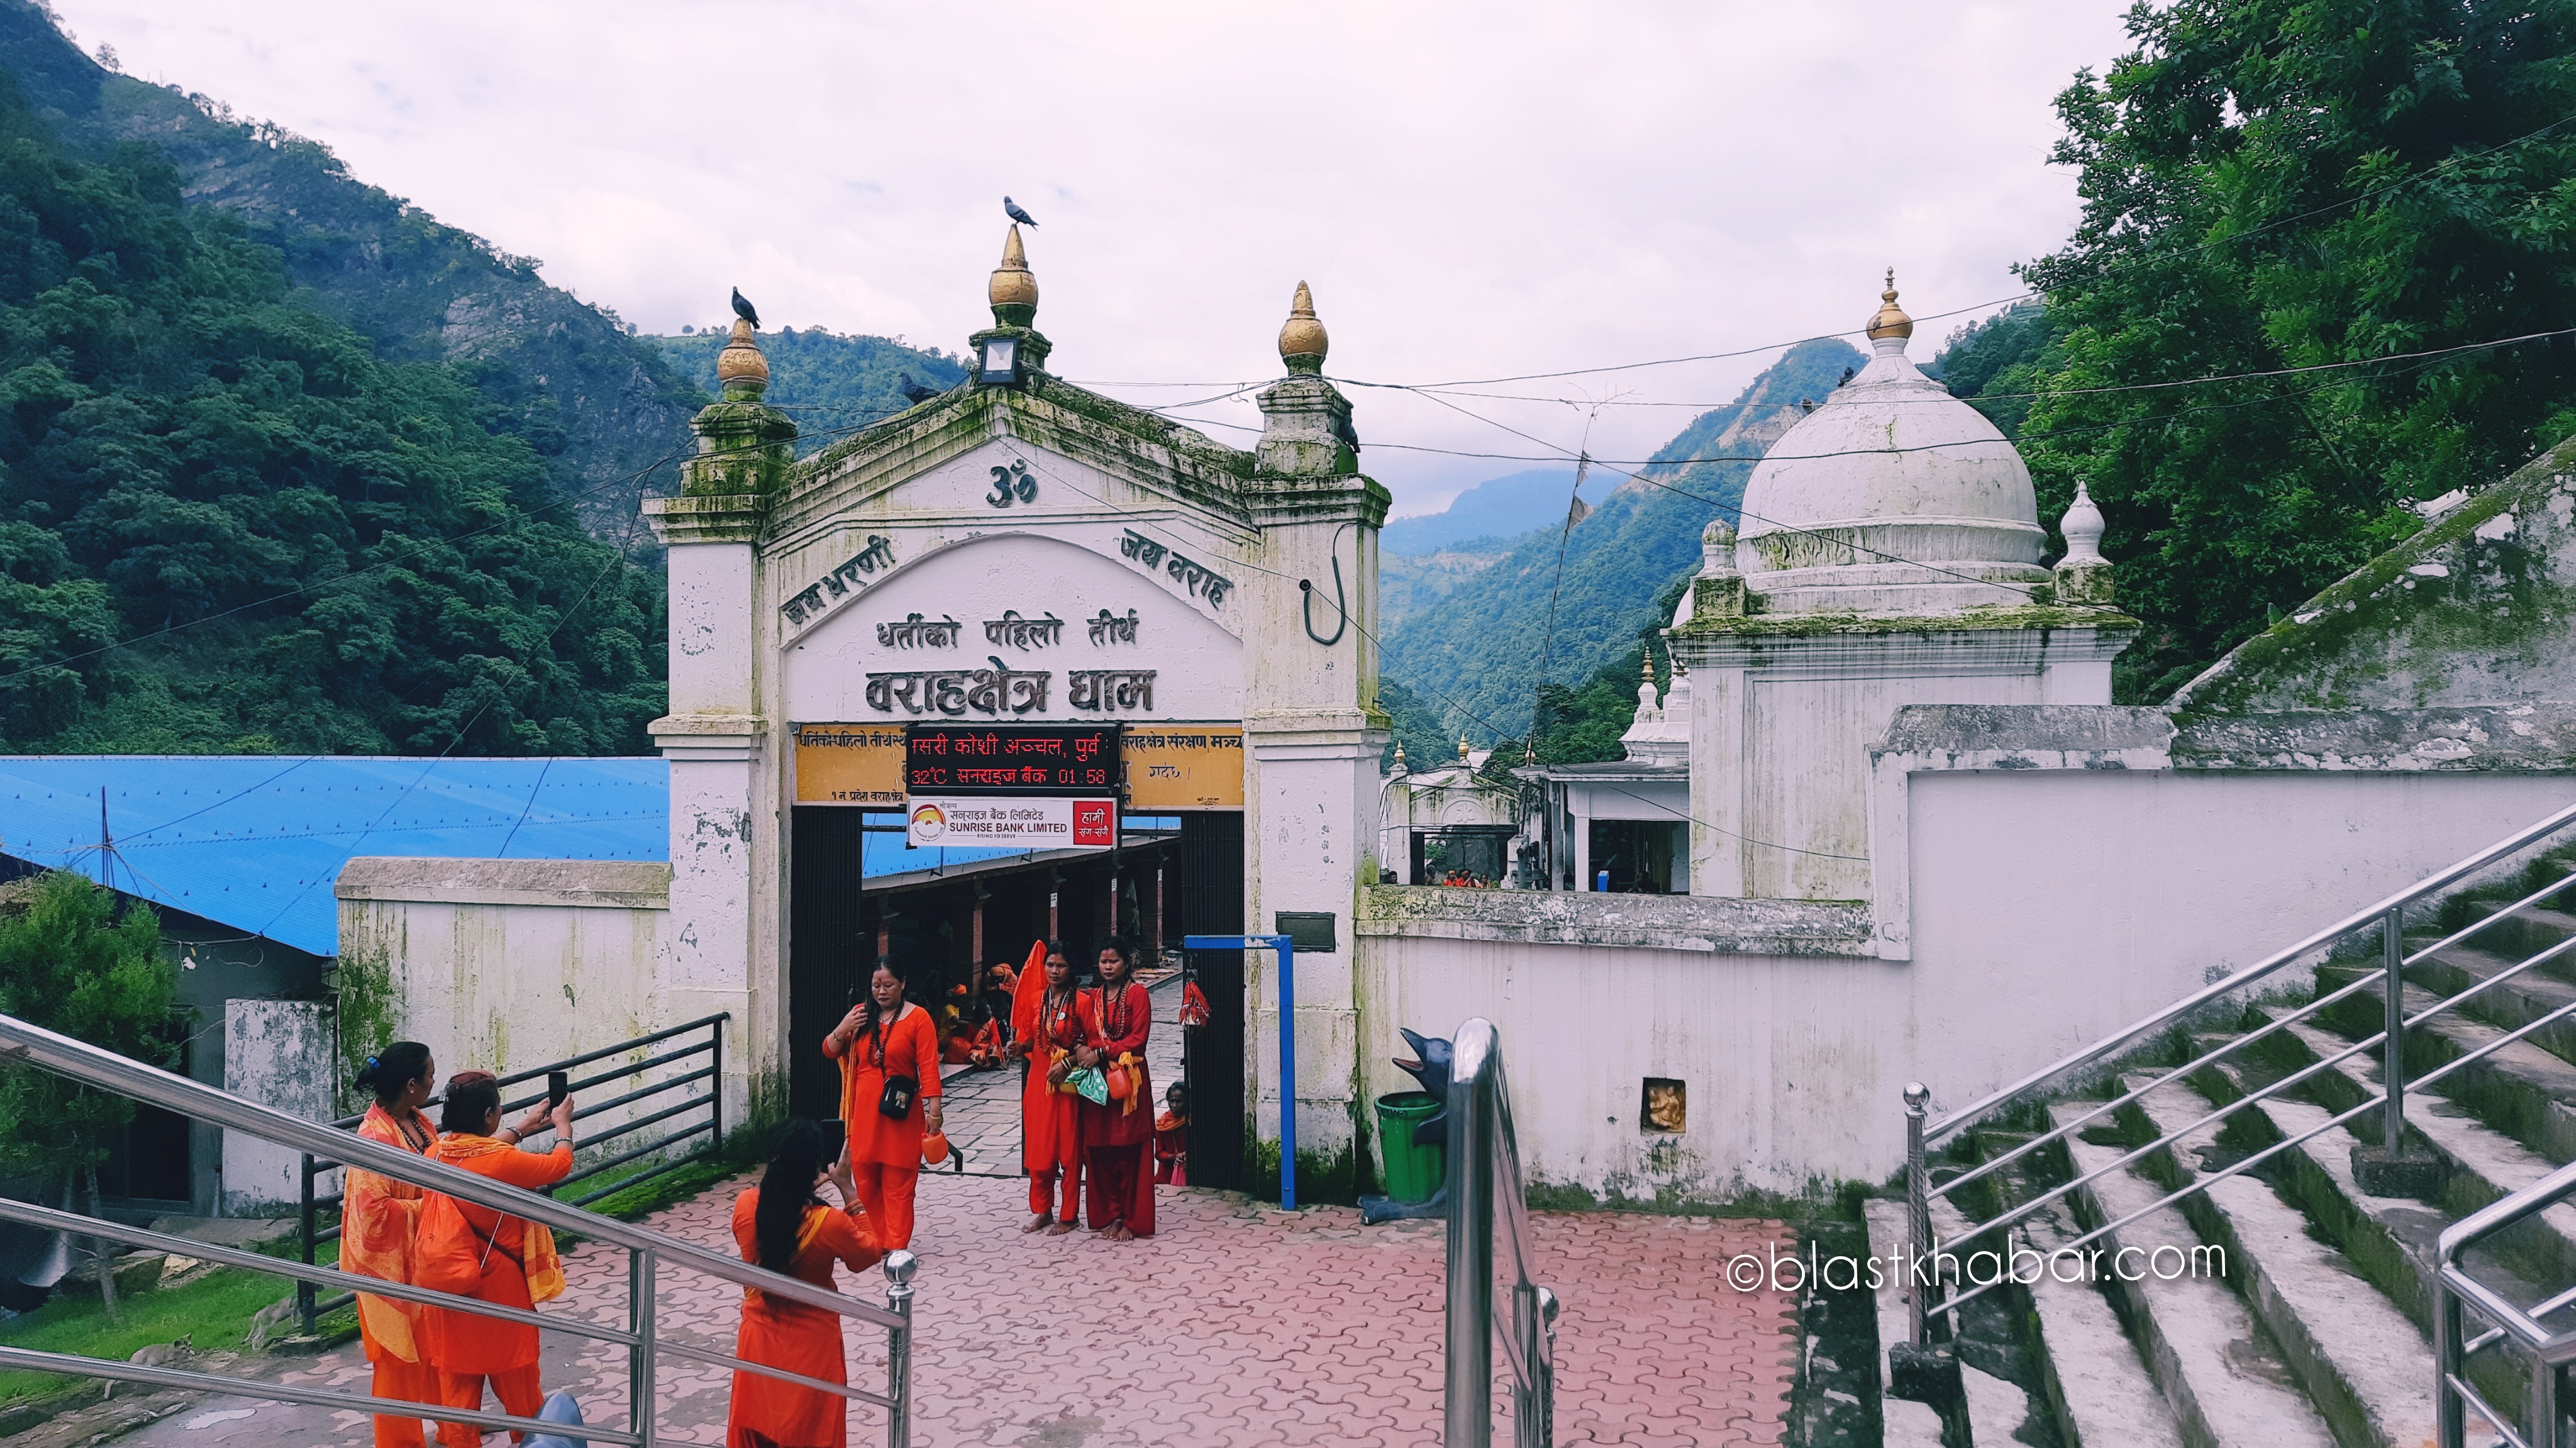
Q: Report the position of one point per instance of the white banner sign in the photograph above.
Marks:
(1011, 824)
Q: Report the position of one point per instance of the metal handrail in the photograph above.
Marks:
(2456, 1293)
(310, 1304)
(646, 1251)
(1484, 1169)
(2388, 1100)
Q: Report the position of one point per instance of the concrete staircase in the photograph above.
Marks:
(2317, 1328)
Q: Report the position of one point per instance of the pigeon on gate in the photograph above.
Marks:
(914, 392)
(1022, 217)
(743, 308)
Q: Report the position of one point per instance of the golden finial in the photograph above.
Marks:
(1462, 748)
(1302, 342)
(1891, 320)
(1399, 756)
(1650, 668)
(740, 369)
(1014, 290)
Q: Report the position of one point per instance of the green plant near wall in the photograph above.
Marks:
(369, 1015)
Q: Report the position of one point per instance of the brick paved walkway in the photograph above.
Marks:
(1237, 1325)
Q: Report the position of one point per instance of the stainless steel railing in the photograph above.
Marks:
(648, 1252)
(700, 1088)
(2386, 916)
(1484, 1176)
(2545, 1354)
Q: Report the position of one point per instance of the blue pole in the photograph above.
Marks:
(1287, 1043)
(1287, 1074)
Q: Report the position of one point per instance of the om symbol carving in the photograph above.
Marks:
(1011, 481)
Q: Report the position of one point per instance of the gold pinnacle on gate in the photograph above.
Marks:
(1302, 342)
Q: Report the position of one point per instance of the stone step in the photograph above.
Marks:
(2531, 929)
(2508, 1003)
(2387, 1241)
(2097, 1384)
(2522, 1091)
(2362, 1364)
(2482, 1166)
(2225, 1381)
(1904, 1422)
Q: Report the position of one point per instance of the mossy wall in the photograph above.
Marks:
(2475, 609)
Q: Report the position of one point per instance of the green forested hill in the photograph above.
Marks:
(1468, 643)
(597, 404)
(832, 384)
(307, 546)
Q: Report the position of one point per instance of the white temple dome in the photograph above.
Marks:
(1891, 471)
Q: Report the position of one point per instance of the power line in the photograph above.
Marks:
(1497, 731)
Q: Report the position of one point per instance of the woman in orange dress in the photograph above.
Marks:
(378, 1216)
(1045, 1030)
(1117, 1136)
(509, 1262)
(886, 1037)
(782, 1225)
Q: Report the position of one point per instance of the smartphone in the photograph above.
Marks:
(835, 1132)
(558, 1086)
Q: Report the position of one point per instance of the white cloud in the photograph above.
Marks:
(1472, 190)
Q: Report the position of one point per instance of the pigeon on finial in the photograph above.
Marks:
(1016, 214)
(914, 392)
(743, 308)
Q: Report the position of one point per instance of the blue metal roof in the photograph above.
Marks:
(257, 841)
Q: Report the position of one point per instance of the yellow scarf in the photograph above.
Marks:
(378, 1216)
(537, 1249)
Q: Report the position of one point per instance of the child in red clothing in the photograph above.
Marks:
(1172, 1138)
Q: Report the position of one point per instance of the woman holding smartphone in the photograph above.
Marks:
(783, 1225)
(482, 1253)
(889, 1055)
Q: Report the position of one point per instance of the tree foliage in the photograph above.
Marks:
(2277, 184)
(70, 963)
(304, 547)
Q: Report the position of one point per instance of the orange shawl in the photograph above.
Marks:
(377, 1218)
(537, 1248)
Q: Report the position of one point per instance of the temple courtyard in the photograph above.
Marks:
(1238, 1323)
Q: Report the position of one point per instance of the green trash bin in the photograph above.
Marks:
(1413, 1172)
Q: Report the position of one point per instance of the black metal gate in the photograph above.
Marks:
(1211, 899)
(829, 949)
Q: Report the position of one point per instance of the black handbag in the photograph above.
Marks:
(895, 1102)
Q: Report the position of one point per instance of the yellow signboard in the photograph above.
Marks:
(1183, 766)
(1168, 766)
(858, 764)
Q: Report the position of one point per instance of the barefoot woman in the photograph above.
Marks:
(887, 1038)
(1115, 1020)
(1046, 1031)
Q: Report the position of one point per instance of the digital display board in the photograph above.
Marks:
(952, 760)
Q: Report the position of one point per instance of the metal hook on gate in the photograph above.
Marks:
(1341, 600)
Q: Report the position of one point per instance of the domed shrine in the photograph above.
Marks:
(1892, 496)
(1888, 553)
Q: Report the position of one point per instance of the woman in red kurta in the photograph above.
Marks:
(378, 1217)
(886, 1036)
(511, 1261)
(1116, 1018)
(781, 1225)
(1045, 1030)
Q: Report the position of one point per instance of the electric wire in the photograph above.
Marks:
(1144, 522)
(2111, 269)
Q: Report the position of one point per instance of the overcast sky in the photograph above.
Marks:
(1473, 190)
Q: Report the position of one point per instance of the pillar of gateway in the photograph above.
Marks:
(1022, 660)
